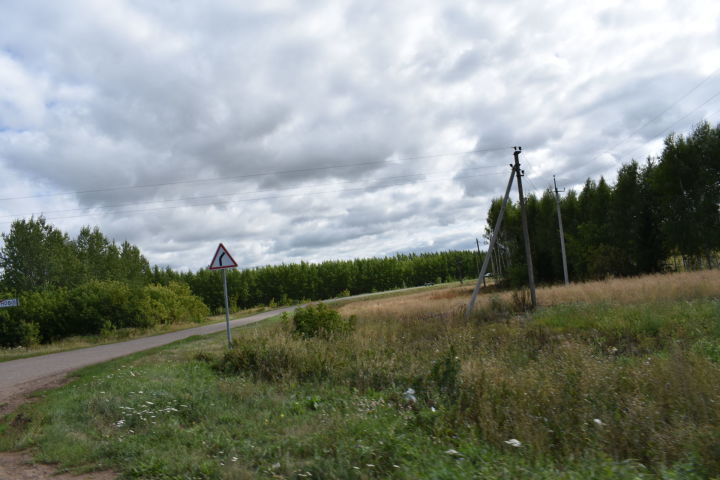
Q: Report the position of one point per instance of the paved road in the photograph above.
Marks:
(18, 377)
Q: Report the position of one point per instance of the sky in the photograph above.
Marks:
(309, 130)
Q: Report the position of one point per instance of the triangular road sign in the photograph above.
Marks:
(222, 259)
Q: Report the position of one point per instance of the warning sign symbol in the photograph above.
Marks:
(222, 259)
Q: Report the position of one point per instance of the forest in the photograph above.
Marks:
(661, 215)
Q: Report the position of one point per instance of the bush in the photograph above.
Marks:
(190, 308)
(171, 304)
(321, 321)
(44, 309)
(94, 307)
(17, 333)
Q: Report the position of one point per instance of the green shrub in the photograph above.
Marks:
(190, 308)
(98, 306)
(321, 321)
(169, 304)
(95, 307)
(46, 310)
(17, 333)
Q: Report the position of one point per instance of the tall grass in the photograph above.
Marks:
(577, 390)
(625, 382)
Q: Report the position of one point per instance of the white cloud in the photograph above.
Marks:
(157, 96)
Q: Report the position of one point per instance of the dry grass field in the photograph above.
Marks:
(619, 291)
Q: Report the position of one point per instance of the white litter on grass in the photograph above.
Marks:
(454, 453)
(513, 442)
(597, 421)
(410, 395)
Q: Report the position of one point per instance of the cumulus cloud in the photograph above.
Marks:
(311, 130)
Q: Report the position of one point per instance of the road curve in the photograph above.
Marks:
(25, 375)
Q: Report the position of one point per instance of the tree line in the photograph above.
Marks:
(666, 208)
(290, 283)
(79, 286)
(89, 284)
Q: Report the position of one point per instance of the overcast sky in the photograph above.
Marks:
(317, 130)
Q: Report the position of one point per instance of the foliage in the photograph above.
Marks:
(14, 332)
(290, 283)
(95, 307)
(668, 205)
(37, 256)
(321, 321)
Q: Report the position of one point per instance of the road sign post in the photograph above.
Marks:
(222, 261)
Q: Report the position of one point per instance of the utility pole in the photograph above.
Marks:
(562, 234)
(493, 239)
(477, 260)
(526, 235)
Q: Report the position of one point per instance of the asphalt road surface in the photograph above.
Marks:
(19, 377)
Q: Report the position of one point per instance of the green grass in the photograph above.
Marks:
(591, 392)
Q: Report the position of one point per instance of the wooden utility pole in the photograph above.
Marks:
(526, 234)
(562, 234)
(493, 239)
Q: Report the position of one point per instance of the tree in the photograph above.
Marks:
(687, 182)
(36, 255)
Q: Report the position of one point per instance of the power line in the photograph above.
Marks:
(253, 175)
(205, 197)
(680, 119)
(659, 115)
(269, 197)
(535, 187)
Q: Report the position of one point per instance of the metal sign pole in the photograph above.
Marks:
(222, 260)
(227, 309)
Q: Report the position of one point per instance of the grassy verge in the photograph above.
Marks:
(112, 336)
(119, 335)
(603, 391)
